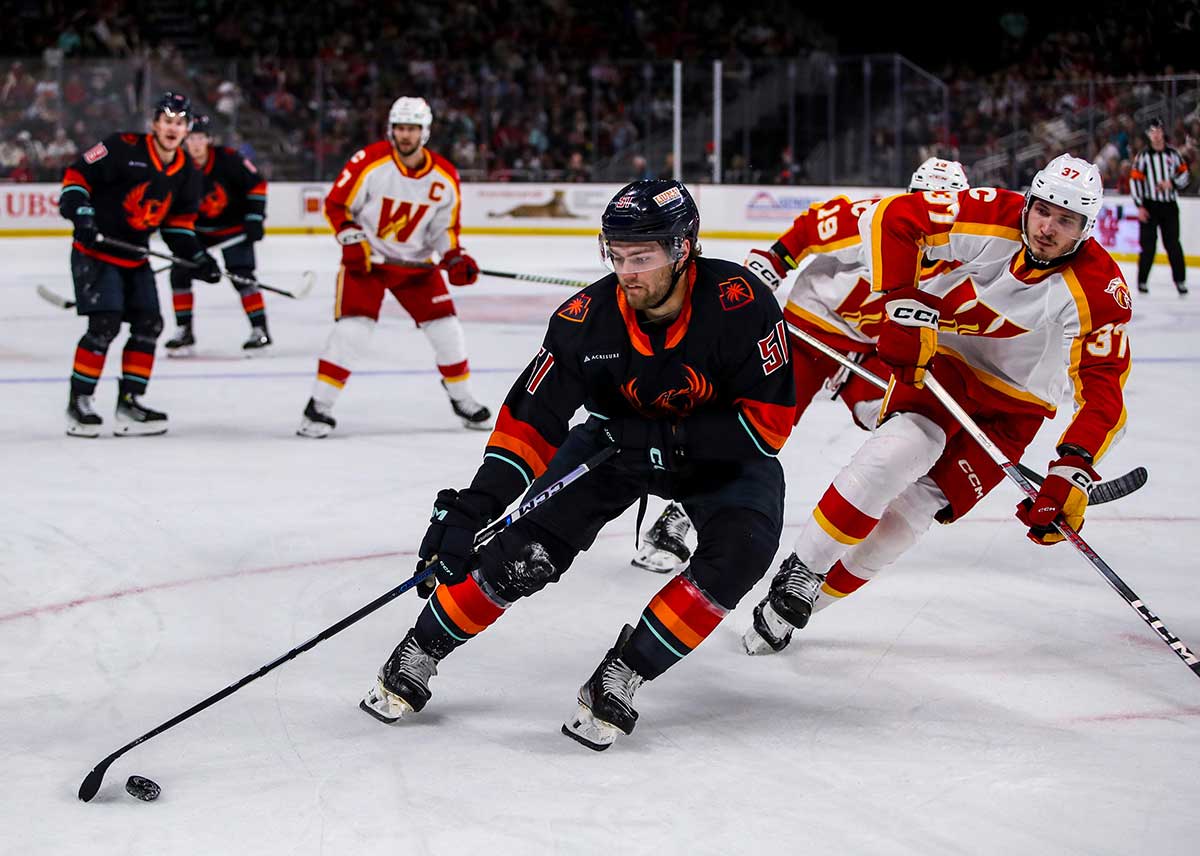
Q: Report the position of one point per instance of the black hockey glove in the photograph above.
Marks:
(252, 226)
(450, 539)
(651, 440)
(207, 268)
(85, 225)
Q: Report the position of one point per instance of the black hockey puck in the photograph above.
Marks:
(143, 788)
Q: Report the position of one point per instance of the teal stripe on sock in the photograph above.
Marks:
(434, 609)
(665, 643)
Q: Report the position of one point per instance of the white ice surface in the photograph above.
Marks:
(983, 696)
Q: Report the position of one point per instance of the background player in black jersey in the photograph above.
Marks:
(682, 362)
(125, 187)
(233, 203)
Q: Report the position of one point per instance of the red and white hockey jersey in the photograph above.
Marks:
(408, 214)
(1014, 326)
(832, 297)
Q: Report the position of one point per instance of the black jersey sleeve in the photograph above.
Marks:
(94, 168)
(179, 228)
(760, 386)
(253, 186)
(533, 421)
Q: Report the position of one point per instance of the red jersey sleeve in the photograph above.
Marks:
(824, 228)
(345, 188)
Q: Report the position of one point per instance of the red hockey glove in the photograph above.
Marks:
(908, 339)
(1063, 497)
(356, 252)
(767, 266)
(460, 268)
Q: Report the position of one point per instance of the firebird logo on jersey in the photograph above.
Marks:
(673, 402)
(576, 309)
(398, 220)
(735, 293)
(214, 202)
(1120, 293)
(964, 313)
(145, 214)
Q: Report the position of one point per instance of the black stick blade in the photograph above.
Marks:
(91, 782)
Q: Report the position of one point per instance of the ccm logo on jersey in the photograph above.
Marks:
(1120, 293)
(972, 478)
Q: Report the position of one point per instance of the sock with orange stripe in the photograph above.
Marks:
(673, 624)
(454, 615)
(182, 301)
(252, 303)
(895, 455)
(137, 363)
(86, 371)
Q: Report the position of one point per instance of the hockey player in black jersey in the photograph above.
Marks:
(682, 362)
(126, 187)
(233, 204)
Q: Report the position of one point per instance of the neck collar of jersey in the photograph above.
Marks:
(1028, 268)
(675, 332)
(174, 166)
(423, 169)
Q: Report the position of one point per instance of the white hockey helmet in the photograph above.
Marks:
(938, 174)
(412, 111)
(1071, 183)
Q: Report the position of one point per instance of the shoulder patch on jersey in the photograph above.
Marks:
(95, 153)
(1120, 292)
(576, 309)
(130, 139)
(735, 293)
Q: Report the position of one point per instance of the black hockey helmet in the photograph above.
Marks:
(202, 124)
(174, 104)
(653, 209)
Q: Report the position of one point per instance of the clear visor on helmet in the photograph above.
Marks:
(628, 257)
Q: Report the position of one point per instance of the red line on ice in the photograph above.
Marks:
(249, 572)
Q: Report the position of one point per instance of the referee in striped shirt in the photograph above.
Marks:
(1158, 172)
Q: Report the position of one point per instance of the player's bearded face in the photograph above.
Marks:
(1052, 230)
(169, 130)
(643, 271)
(407, 138)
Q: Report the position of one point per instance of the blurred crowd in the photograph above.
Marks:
(556, 92)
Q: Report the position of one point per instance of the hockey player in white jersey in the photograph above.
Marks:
(831, 300)
(1035, 306)
(394, 207)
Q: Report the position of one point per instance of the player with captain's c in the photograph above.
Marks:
(1035, 306)
(393, 208)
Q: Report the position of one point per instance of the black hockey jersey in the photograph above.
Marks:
(133, 193)
(232, 191)
(719, 372)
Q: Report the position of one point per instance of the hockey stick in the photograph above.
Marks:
(1102, 492)
(528, 277)
(54, 297)
(224, 245)
(1087, 553)
(92, 781)
(237, 279)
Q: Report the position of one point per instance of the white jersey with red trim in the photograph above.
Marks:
(1025, 333)
(831, 296)
(408, 214)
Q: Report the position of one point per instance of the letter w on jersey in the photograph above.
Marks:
(398, 220)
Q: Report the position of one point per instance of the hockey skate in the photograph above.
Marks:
(767, 633)
(182, 344)
(473, 414)
(258, 342)
(402, 687)
(794, 591)
(317, 421)
(664, 548)
(82, 418)
(606, 700)
(135, 419)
